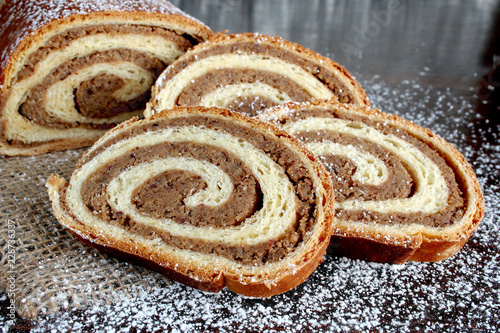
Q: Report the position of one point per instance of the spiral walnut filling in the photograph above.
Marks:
(247, 189)
(390, 176)
(227, 88)
(248, 73)
(87, 79)
(359, 168)
(168, 97)
(101, 90)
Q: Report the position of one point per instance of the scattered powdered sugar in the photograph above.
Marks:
(341, 295)
(459, 294)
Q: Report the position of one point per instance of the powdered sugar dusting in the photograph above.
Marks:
(342, 295)
(459, 294)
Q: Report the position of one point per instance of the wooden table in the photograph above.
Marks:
(432, 62)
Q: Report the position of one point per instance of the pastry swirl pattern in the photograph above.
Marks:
(79, 78)
(400, 189)
(250, 72)
(201, 186)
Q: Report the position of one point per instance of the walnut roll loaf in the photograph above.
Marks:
(69, 70)
(249, 72)
(209, 197)
(402, 192)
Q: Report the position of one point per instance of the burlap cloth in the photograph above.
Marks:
(43, 267)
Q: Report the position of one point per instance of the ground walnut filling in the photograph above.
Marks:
(399, 184)
(401, 181)
(93, 97)
(192, 94)
(324, 74)
(250, 105)
(64, 39)
(162, 196)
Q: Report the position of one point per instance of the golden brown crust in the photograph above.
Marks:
(358, 247)
(426, 245)
(46, 147)
(311, 256)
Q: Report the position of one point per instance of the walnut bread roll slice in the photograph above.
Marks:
(249, 72)
(69, 70)
(402, 192)
(209, 197)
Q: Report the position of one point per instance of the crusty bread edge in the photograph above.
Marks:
(312, 255)
(46, 147)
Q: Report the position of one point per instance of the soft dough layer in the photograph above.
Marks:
(402, 192)
(240, 200)
(250, 72)
(76, 76)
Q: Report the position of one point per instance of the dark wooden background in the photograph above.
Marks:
(423, 51)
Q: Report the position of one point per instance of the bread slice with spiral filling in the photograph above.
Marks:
(402, 192)
(250, 72)
(69, 70)
(209, 197)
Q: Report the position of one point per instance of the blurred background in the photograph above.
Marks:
(451, 39)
